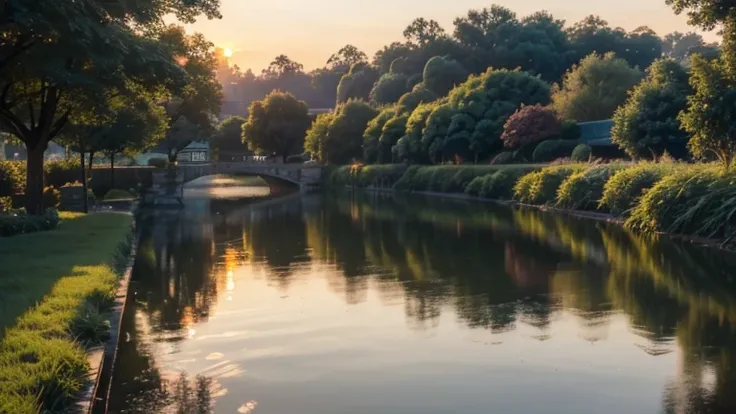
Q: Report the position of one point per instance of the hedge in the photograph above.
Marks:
(551, 150)
(623, 190)
(584, 189)
(18, 222)
(540, 187)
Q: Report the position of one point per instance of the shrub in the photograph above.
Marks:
(118, 194)
(500, 185)
(540, 187)
(623, 190)
(529, 125)
(20, 222)
(6, 204)
(581, 153)
(51, 197)
(340, 176)
(583, 189)
(551, 150)
(506, 157)
(441, 178)
(60, 172)
(12, 178)
(158, 162)
(696, 201)
(377, 175)
(475, 186)
(569, 130)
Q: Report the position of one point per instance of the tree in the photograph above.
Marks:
(385, 57)
(314, 143)
(357, 83)
(410, 100)
(593, 89)
(346, 57)
(343, 143)
(530, 125)
(179, 135)
(277, 124)
(421, 32)
(388, 89)
(409, 147)
(228, 137)
(646, 125)
(710, 117)
(441, 74)
(391, 132)
(373, 132)
(679, 46)
(71, 53)
(281, 66)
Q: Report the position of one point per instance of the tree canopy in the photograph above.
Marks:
(646, 125)
(593, 89)
(228, 137)
(277, 124)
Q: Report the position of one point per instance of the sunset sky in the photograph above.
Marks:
(310, 31)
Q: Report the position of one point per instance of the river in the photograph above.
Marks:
(367, 303)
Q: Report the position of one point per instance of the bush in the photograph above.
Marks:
(6, 204)
(622, 192)
(476, 185)
(118, 194)
(540, 187)
(569, 130)
(500, 185)
(158, 162)
(581, 153)
(506, 157)
(12, 178)
(551, 150)
(363, 176)
(57, 173)
(21, 223)
(584, 189)
(695, 201)
(441, 178)
(51, 197)
(529, 125)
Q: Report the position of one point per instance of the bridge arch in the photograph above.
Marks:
(277, 176)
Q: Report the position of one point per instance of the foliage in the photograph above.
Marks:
(12, 178)
(695, 201)
(316, 136)
(508, 157)
(118, 194)
(357, 83)
(529, 125)
(228, 136)
(51, 197)
(373, 132)
(389, 88)
(569, 129)
(409, 148)
(59, 172)
(646, 125)
(441, 178)
(392, 131)
(363, 176)
(19, 222)
(594, 88)
(581, 153)
(623, 190)
(347, 56)
(471, 122)
(411, 100)
(710, 117)
(540, 187)
(42, 364)
(498, 185)
(584, 189)
(343, 141)
(277, 124)
(551, 150)
(441, 74)
(158, 162)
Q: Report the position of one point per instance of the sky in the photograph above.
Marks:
(309, 31)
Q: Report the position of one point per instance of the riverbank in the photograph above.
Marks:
(691, 201)
(57, 289)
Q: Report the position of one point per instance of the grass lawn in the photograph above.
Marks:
(52, 286)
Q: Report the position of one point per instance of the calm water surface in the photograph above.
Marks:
(401, 305)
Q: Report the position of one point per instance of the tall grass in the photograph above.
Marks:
(49, 282)
(622, 191)
(540, 187)
(584, 189)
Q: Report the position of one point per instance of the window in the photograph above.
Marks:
(199, 156)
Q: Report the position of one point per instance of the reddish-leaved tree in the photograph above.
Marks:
(530, 124)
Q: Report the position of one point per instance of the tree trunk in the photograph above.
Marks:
(91, 157)
(34, 180)
(84, 185)
(112, 170)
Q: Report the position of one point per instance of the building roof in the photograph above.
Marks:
(596, 132)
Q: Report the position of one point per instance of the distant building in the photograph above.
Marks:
(195, 153)
(596, 133)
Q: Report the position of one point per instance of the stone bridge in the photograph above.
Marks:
(304, 176)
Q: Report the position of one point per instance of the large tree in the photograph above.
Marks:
(593, 89)
(277, 124)
(646, 125)
(57, 57)
(228, 137)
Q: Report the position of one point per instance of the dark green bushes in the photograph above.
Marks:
(498, 185)
(581, 153)
(551, 150)
(442, 178)
(57, 173)
(583, 189)
(623, 190)
(12, 178)
(540, 187)
(18, 222)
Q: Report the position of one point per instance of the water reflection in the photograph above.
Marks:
(516, 275)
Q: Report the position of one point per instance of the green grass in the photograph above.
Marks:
(51, 283)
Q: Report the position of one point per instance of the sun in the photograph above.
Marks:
(228, 52)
